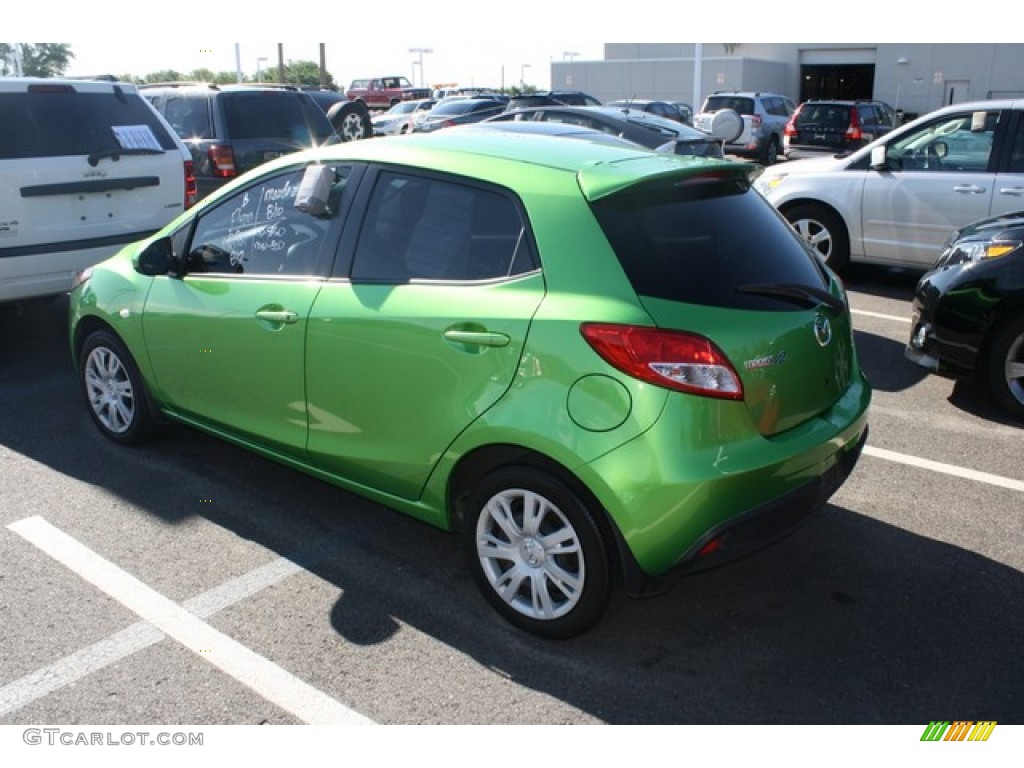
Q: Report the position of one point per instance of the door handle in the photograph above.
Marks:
(277, 315)
(969, 189)
(1015, 191)
(477, 338)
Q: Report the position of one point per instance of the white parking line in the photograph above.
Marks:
(946, 469)
(880, 316)
(257, 672)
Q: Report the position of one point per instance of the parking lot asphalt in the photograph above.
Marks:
(187, 581)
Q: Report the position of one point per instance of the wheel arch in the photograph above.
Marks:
(483, 460)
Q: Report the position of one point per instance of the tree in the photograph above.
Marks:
(37, 59)
(298, 73)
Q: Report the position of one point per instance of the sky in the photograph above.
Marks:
(471, 43)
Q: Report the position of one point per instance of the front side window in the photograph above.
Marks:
(960, 142)
(418, 228)
(260, 232)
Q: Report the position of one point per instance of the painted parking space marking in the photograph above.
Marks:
(880, 315)
(260, 674)
(945, 469)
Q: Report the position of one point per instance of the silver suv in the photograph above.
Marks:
(764, 117)
(88, 166)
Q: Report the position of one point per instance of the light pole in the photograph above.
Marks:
(522, 76)
(419, 52)
(259, 68)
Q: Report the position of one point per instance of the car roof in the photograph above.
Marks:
(600, 169)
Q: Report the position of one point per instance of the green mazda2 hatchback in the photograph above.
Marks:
(603, 366)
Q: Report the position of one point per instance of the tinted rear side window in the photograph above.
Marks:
(273, 114)
(698, 244)
(62, 123)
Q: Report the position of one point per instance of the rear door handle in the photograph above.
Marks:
(478, 338)
(1015, 191)
(277, 315)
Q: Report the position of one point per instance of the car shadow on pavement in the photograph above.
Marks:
(883, 362)
(850, 620)
(884, 282)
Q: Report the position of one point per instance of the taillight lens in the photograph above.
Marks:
(685, 362)
(853, 132)
(191, 189)
(790, 129)
(222, 161)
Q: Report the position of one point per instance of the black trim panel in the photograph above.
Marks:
(95, 185)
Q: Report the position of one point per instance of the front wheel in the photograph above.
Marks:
(114, 390)
(1006, 367)
(536, 553)
(825, 233)
(770, 151)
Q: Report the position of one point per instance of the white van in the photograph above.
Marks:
(86, 167)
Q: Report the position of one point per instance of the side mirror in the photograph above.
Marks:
(157, 258)
(878, 159)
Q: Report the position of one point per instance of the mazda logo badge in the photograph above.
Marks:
(822, 330)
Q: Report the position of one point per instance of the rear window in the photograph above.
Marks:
(742, 105)
(64, 122)
(275, 114)
(824, 116)
(699, 242)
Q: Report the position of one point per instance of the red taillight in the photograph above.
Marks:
(853, 132)
(191, 190)
(755, 121)
(222, 161)
(790, 129)
(685, 362)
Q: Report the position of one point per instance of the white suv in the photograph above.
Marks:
(898, 199)
(765, 116)
(87, 167)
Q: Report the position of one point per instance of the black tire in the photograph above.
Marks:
(552, 594)
(351, 120)
(824, 231)
(769, 154)
(1006, 366)
(114, 390)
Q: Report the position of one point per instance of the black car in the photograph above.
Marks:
(232, 129)
(968, 311)
(664, 109)
(553, 99)
(458, 112)
(833, 126)
(643, 128)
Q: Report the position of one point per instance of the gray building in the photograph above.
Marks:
(915, 78)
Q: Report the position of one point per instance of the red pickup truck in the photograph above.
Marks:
(385, 92)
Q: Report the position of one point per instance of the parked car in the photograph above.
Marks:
(231, 129)
(350, 119)
(402, 117)
(895, 200)
(385, 92)
(968, 311)
(603, 367)
(664, 109)
(765, 116)
(458, 112)
(686, 110)
(87, 167)
(643, 128)
(835, 127)
(552, 99)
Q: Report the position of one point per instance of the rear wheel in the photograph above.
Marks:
(114, 390)
(769, 154)
(1006, 367)
(536, 552)
(825, 233)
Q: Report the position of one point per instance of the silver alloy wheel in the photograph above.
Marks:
(351, 127)
(817, 234)
(109, 390)
(1013, 368)
(530, 554)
